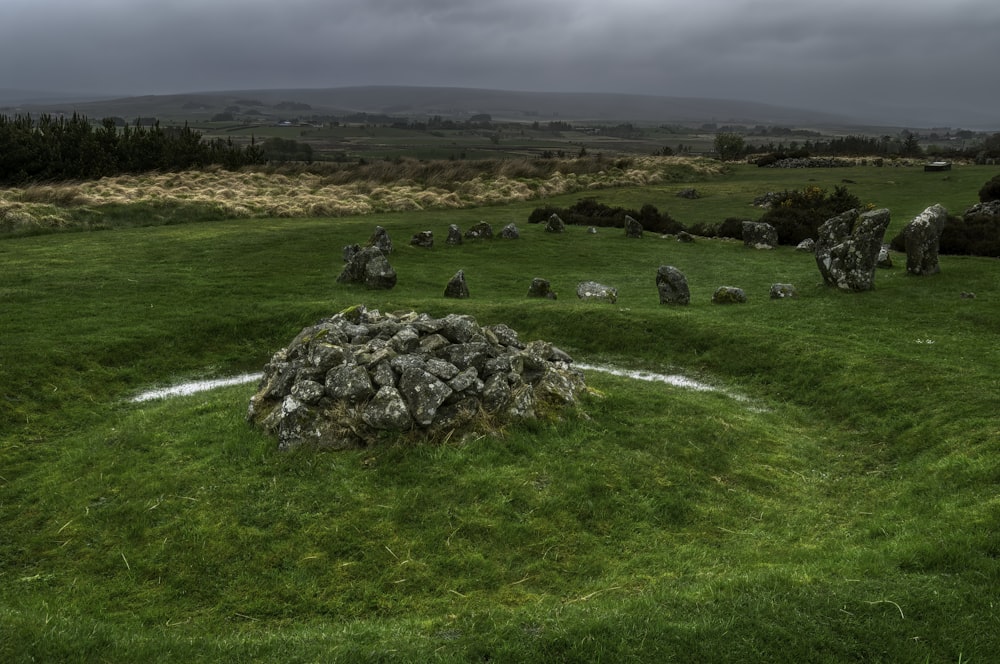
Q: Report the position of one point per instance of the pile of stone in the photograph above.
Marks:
(350, 379)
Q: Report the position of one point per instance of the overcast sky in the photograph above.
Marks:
(847, 56)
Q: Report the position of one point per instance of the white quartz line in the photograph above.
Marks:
(195, 386)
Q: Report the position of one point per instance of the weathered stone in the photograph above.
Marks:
(591, 290)
(759, 235)
(380, 238)
(457, 288)
(370, 268)
(480, 231)
(633, 229)
(689, 192)
(985, 209)
(541, 288)
(807, 245)
(454, 235)
(387, 410)
(672, 285)
(729, 295)
(923, 238)
(592, 230)
(423, 393)
(510, 232)
(884, 258)
(373, 383)
(554, 224)
(423, 239)
(847, 249)
(782, 291)
(349, 251)
(349, 382)
(684, 236)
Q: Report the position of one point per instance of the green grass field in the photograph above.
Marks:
(836, 500)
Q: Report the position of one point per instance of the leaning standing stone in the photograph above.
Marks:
(591, 290)
(847, 249)
(457, 288)
(672, 285)
(633, 229)
(923, 238)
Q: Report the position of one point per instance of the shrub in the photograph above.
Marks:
(975, 235)
(589, 212)
(797, 215)
(990, 191)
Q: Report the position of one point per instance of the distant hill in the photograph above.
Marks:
(458, 103)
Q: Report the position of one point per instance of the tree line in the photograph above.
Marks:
(54, 149)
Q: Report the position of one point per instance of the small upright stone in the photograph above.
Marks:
(807, 245)
(454, 235)
(554, 224)
(672, 286)
(884, 258)
(457, 288)
(370, 268)
(633, 229)
(541, 288)
(759, 235)
(423, 239)
(480, 231)
(510, 232)
(380, 238)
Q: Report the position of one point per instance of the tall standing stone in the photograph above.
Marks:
(923, 239)
(457, 288)
(633, 229)
(847, 249)
(554, 224)
(672, 286)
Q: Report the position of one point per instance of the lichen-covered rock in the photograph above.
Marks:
(591, 290)
(633, 229)
(807, 245)
(541, 288)
(759, 235)
(360, 375)
(457, 287)
(684, 236)
(729, 295)
(510, 232)
(847, 249)
(454, 235)
(884, 258)
(423, 239)
(783, 291)
(370, 268)
(480, 231)
(555, 224)
(672, 286)
(923, 238)
(380, 238)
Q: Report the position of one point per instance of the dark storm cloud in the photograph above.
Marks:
(845, 56)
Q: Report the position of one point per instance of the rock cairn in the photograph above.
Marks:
(350, 379)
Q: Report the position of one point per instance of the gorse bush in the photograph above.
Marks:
(990, 190)
(589, 212)
(798, 214)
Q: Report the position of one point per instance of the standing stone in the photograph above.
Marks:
(807, 245)
(923, 239)
(423, 239)
(759, 235)
(728, 295)
(633, 229)
(884, 258)
(782, 291)
(847, 249)
(591, 290)
(380, 239)
(370, 268)
(480, 231)
(454, 235)
(541, 288)
(457, 288)
(672, 285)
(509, 232)
(554, 224)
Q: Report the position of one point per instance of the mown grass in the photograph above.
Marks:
(845, 511)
